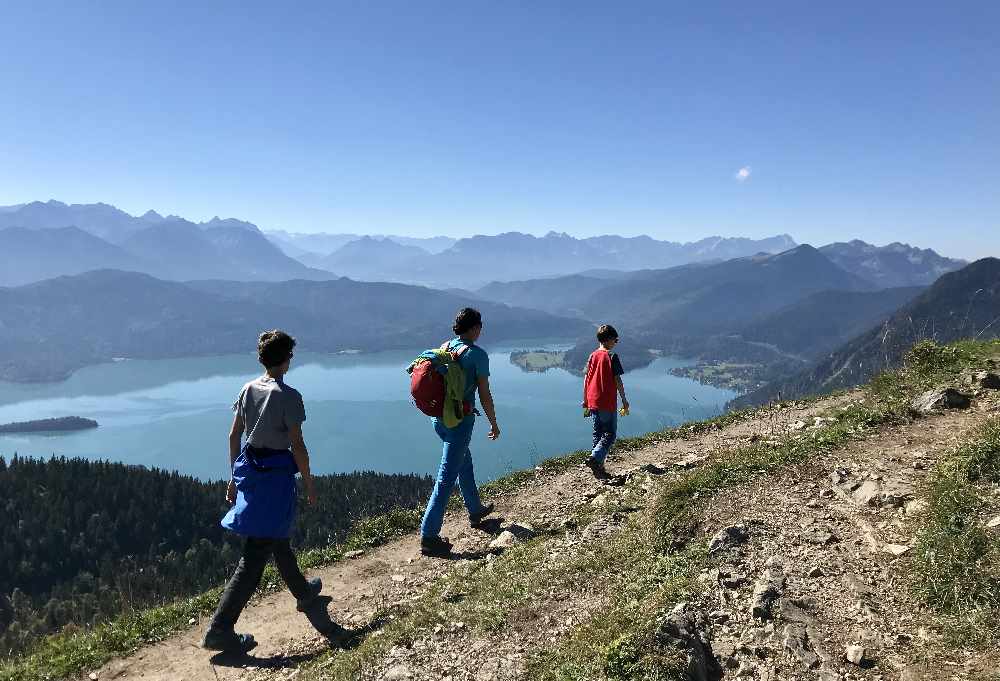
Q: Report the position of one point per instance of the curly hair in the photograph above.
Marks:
(274, 347)
(467, 319)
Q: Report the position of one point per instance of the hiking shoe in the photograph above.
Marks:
(435, 546)
(227, 641)
(595, 465)
(315, 586)
(476, 518)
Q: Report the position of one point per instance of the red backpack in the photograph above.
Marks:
(427, 384)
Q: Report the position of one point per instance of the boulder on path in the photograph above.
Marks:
(796, 642)
(767, 591)
(727, 538)
(855, 654)
(683, 628)
(515, 533)
(936, 400)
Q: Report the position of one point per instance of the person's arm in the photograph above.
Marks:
(621, 391)
(586, 375)
(486, 397)
(235, 434)
(301, 456)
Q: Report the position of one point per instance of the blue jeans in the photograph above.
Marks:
(605, 432)
(456, 464)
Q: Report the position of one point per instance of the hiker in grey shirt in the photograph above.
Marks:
(263, 491)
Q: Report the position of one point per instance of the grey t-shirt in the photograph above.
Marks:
(268, 407)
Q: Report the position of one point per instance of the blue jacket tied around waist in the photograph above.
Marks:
(266, 496)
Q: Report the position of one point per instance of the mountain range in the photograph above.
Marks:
(44, 240)
(51, 328)
(477, 260)
(319, 244)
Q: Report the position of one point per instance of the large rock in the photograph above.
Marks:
(727, 538)
(514, 534)
(936, 400)
(683, 629)
(767, 591)
(867, 493)
(796, 641)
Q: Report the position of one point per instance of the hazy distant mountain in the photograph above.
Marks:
(322, 244)
(961, 304)
(99, 219)
(69, 322)
(891, 266)
(33, 254)
(370, 258)
(433, 244)
(167, 247)
(515, 256)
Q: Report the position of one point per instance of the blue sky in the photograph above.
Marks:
(872, 120)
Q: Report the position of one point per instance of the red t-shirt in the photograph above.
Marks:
(599, 386)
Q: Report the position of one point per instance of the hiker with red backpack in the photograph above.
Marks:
(443, 385)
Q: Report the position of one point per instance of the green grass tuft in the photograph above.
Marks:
(957, 562)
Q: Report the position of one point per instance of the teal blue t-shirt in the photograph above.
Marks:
(476, 364)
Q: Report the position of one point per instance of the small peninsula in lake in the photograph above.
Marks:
(61, 424)
(537, 360)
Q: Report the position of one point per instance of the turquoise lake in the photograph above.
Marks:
(175, 414)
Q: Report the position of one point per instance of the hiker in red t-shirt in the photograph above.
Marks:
(601, 387)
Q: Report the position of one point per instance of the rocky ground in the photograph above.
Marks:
(805, 575)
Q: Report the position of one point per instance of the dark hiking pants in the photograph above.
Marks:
(245, 580)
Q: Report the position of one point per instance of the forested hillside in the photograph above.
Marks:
(83, 541)
(70, 322)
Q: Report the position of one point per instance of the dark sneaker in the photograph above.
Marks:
(315, 587)
(476, 518)
(227, 641)
(595, 465)
(435, 546)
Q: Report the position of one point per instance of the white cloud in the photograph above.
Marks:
(743, 174)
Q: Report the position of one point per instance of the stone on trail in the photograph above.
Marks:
(767, 591)
(818, 535)
(867, 494)
(855, 654)
(683, 629)
(994, 524)
(896, 493)
(514, 534)
(397, 673)
(895, 549)
(796, 641)
(934, 400)
(727, 538)
(354, 554)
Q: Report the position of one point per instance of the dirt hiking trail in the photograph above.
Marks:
(827, 535)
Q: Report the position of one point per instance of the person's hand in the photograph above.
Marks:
(625, 404)
(231, 492)
(310, 493)
(494, 432)
(583, 403)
